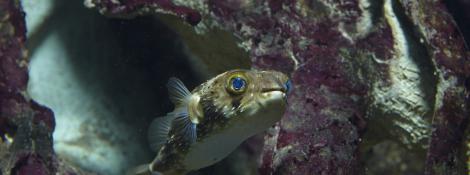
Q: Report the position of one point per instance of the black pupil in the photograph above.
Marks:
(238, 83)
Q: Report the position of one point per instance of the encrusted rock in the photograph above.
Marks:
(369, 76)
(25, 126)
(364, 72)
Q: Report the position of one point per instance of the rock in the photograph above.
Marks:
(372, 79)
(25, 126)
(364, 72)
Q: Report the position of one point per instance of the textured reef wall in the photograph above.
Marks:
(380, 87)
(25, 126)
(26, 144)
(364, 72)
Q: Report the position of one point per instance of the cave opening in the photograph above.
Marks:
(105, 81)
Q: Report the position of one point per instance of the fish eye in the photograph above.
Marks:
(237, 84)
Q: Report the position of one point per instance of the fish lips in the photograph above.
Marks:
(275, 93)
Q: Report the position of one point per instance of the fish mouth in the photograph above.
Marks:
(275, 93)
(266, 90)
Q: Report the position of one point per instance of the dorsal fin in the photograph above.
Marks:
(177, 91)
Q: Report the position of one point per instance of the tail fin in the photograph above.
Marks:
(141, 170)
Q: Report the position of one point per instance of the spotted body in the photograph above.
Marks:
(212, 120)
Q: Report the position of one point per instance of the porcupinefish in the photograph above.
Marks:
(211, 121)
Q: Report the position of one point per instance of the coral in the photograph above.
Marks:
(396, 68)
(373, 80)
(450, 57)
(138, 7)
(26, 127)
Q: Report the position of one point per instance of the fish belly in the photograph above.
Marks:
(217, 146)
(213, 149)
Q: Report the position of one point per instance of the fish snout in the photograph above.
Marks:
(276, 85)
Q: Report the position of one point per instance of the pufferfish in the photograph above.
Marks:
(208, 123)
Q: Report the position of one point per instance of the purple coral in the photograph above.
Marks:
(352, 63)
(139, 7)
(363, 72)
(21, 119)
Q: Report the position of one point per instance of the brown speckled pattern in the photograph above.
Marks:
(216, 118)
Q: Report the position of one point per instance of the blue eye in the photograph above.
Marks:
(238, 83)
(288, 85)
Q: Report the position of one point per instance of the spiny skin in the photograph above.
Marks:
(215, 109)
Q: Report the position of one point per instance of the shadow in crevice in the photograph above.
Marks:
(376, 11)
(118, 70)
(459, 11)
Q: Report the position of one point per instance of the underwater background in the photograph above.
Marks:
(379, 86)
